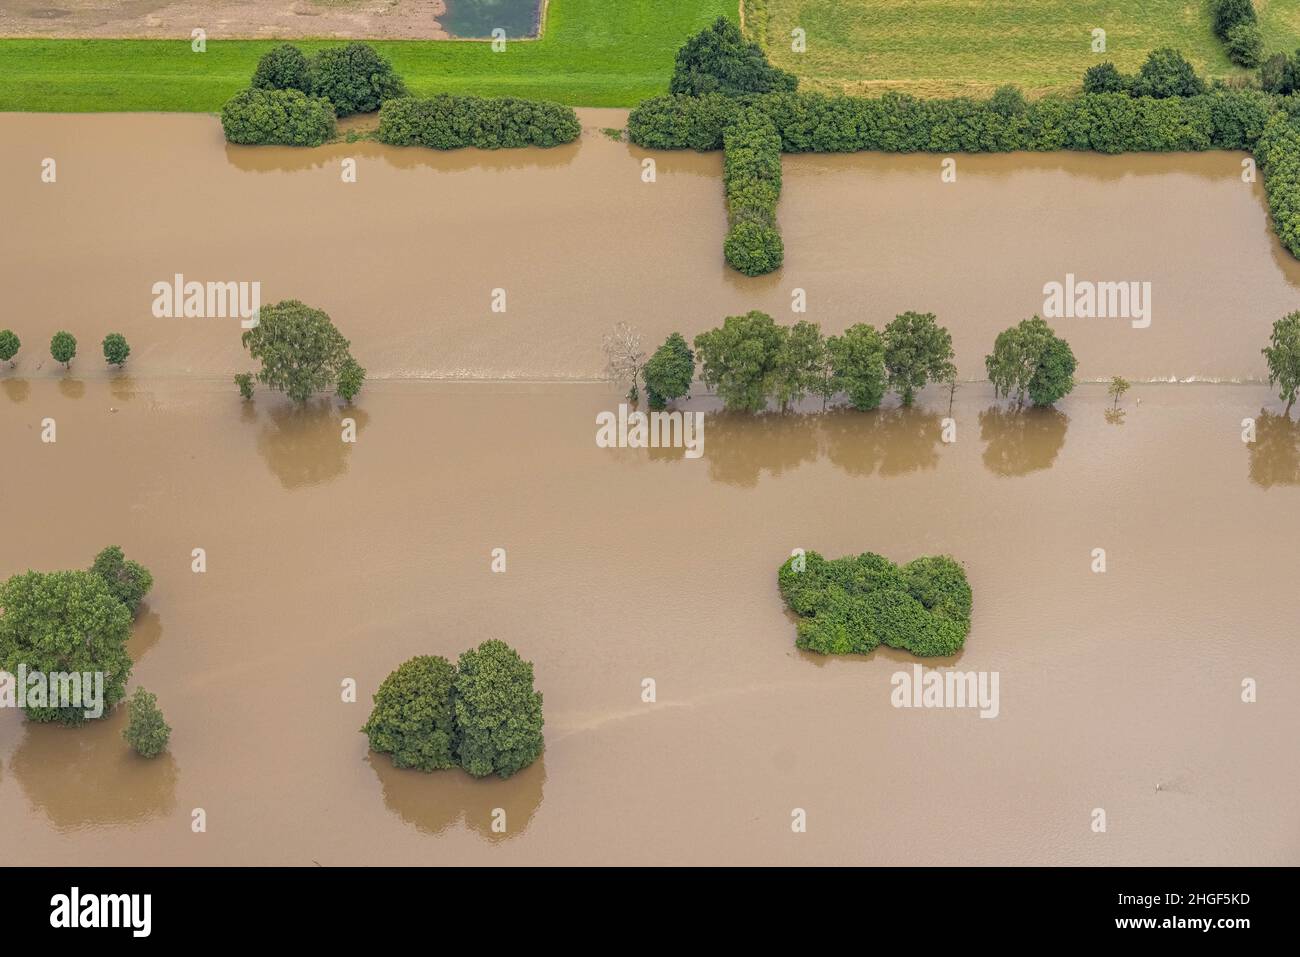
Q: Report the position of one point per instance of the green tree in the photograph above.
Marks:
(9, 346)
(1245, 45)
(354, 78)
(127, 581)
(1030, 358)
(351, 376)
(719, 60)
(1284, 358)
(284, 68)
(146, 731)
(244, 380)
(65, 622)
(300, 349)
(498, 712)
(413, 719)
(63, 347)
(115, 349)
(1054, 379)
(738, 359)
(859, 361)
(1167, 73)
(1118, 386)
(669, 372)
(917, 350)
(799, 363)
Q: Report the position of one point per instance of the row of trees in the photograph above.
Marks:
(448, 122)
(750, 360)
(63, 348)
(482, 713)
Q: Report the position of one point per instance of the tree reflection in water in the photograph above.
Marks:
(1020, 441)
(1275, 453)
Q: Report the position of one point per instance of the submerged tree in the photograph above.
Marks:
(859, 360)
(917, 350)
(116, 349)
(739, 359)
(1118, 386)
(128, 581)
(146, 731)
(669, 372)
(799, 364)
(63, 623)
(624, 357)
(498, 712)
(1030, 359)
(301, 351)
(9, 346)
(351, 376)
(413, 719)
(719, 60)
(63, 348)
(1284, 358)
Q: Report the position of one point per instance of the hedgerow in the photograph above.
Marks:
(448, 122)
(1278, 155)
(854, 604)
(751, 173)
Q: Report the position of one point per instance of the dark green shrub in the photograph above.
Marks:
(277, 117)
(669, 372)
(751, 173)
(447, 122)
(63, 348)
(1167, 73)
(350, 378)
(1105, 78)
(852, 605)
(719, 60)
(1278, 155)
(283, 68)
(115, 349)
(1278, 74)
(413, 718)
(1231, 13)
(1245, 45)
(127, 581)
(146, 731)
(498, 711)
(9, 346)
(354, 78)
(244, 380)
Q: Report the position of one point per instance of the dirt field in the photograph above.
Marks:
(224, 19)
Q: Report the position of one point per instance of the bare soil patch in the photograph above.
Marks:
(225, 19)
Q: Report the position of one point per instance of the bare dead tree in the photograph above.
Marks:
(626, 357)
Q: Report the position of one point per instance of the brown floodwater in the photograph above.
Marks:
(329, 561)
(407, 257)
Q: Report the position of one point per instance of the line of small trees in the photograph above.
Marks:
(63, 348)
(750, 361)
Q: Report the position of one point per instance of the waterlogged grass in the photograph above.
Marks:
(946, 47)
(592, 53)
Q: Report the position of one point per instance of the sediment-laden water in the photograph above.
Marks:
(329, 561)
(407, 258)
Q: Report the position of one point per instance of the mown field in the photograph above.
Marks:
(593, 53)
(945, 47)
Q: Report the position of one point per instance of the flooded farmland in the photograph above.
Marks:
(329, 561)
(406, 259)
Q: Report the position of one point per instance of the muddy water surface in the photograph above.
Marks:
(328, 561)
(406, 259)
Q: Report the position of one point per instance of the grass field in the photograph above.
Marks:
(944, 47)
(593, 53)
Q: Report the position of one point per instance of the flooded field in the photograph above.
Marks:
(406, 258)
(328, 561)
